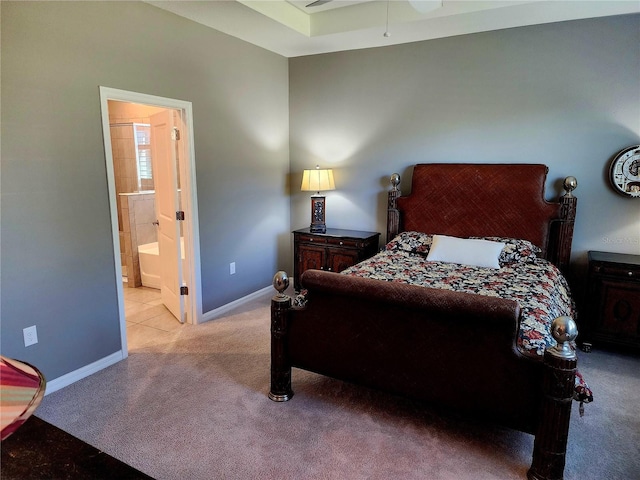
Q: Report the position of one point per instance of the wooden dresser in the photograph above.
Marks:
(613, 300)
(333, 250)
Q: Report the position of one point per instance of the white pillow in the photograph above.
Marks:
(479, 253)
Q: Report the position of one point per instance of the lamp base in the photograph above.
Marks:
(317, 214)
(317, 228)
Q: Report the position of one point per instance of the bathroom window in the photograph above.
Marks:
(142, 135)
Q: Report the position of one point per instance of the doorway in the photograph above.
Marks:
(175, 167)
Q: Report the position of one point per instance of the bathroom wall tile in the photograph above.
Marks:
(121, 238)
(126, 224)
(121, 164)
(132, 213)
(130, 150)
(133, 235)
(135, 279)
(133, 272)
(131, 170)
(130, 280)
(145, 210)
(118, 181)
(146, 233)
(133, 246)
(118, 150)
(125, 184)
(127, 243)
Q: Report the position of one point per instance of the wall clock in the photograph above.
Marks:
(624, 173)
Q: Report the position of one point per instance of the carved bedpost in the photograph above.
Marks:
(280, 390)
(393, 214)
(550, 446)
(565, 230)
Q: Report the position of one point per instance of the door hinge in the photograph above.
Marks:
(184, 290)
(175, 134)
(180, 215)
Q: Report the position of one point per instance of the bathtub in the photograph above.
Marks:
(149, 257)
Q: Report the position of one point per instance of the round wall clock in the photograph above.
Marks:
(624, 172)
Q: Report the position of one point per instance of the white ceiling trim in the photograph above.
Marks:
(284, 13)
(281, 27)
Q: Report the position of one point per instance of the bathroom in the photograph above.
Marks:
(130, 143)
(147, 319)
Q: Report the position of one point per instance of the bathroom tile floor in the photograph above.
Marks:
(148, 320)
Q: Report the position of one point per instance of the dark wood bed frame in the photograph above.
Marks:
(454, 350)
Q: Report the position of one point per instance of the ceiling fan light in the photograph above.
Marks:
(425, 6)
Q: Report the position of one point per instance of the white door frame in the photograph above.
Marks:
(193, 301)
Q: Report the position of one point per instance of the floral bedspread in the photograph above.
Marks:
(536, 284)
(539, 287)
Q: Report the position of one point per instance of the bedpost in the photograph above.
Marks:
(280, 390)
(564, 237)
(550, 446)
(393, 214)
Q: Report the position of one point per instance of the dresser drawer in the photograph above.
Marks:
(621, 271)
(312, 239)
(345, 242)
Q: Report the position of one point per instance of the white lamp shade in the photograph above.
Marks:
(317, 180)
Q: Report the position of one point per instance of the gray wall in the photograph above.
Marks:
(57, 252)
(564, 94)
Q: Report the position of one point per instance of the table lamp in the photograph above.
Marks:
(316, 181)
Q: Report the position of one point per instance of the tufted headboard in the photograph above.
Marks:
(505, 200)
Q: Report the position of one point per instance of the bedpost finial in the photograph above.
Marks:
(281, 283)
(570, 184)
(564, 331)
(395, 180)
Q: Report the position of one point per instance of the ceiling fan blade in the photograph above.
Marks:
(317, 3)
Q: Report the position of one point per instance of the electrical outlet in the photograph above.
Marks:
(30, 335)
(232, 268)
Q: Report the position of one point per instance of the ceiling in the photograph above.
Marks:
(291, 28)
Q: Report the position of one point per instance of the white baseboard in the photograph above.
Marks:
(72, 377)
(218, 312)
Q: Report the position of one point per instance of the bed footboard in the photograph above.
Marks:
(560, 362)
(280, 367)
(451, 349)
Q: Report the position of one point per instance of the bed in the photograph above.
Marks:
(463, 349)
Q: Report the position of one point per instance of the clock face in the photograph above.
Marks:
(625, 172)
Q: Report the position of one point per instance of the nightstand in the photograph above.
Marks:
(333, 250)
(613, 300)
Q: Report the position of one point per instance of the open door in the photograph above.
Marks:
(164, 150)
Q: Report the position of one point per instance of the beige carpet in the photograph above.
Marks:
(196, 407)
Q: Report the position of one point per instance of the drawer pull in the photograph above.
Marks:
(341, 243)
(630, 274)
(311, 239)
